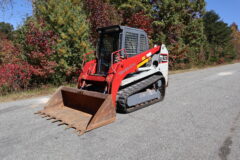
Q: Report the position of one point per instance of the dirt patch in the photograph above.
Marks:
(225, 149)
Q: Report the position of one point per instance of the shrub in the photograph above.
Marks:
(8, 52)
(38, 51)
(14, 77)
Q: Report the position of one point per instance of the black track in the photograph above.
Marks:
(135, 88)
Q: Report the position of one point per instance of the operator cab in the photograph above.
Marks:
(114, 38)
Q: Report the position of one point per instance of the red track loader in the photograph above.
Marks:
(126, 75)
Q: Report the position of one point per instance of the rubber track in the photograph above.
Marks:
(126, 92)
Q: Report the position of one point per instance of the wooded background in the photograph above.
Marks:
(49, 47)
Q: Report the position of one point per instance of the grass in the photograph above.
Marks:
(48, 90)
(201, 67)
(189, 69)
(30, 93)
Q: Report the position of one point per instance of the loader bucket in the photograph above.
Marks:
(80, 109)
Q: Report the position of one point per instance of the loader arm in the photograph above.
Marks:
(120, 70)
(117, 71)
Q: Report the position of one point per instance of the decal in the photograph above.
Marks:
(143, 62)
(127, 68)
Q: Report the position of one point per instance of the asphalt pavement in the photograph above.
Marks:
(199, 119)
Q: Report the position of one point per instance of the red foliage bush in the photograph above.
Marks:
(14, 77)
(39, 50)
(15, 74)
(33, 62)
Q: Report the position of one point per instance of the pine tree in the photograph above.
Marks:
(219, 38)
(217, 32)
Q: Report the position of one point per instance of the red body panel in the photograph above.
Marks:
(117, 71)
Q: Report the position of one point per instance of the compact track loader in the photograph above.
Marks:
(125, 75)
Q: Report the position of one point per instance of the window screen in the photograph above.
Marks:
(131, 43)
(143, 43)
(120, 41)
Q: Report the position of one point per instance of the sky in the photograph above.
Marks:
(16, 12)
(229, 11)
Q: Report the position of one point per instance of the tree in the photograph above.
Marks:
(236, 38)
(8, 51)
(135, 13)
(100, 14)
(219, 37)
(179, 25)
(68, 20)
(217, 31)
(142, 21)
(15, 73)
(37, 48)
(130, 7)
(6, 30)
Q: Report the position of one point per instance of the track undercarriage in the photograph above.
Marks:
(141, 94)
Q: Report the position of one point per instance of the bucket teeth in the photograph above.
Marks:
(80, 133)
(68, 127)
(56, 120)
(62, 123)
(50, 118)
(39, 112)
